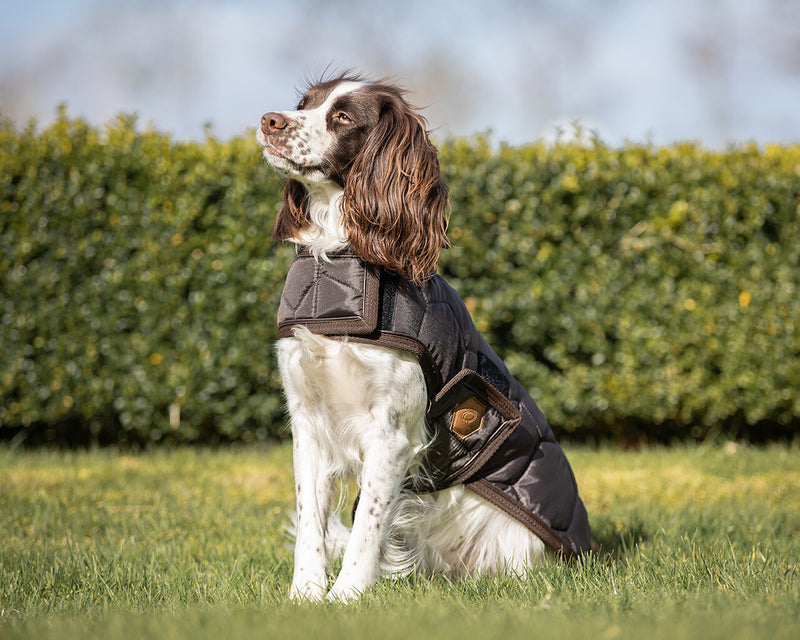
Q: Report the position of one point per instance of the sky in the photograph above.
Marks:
(718, 72)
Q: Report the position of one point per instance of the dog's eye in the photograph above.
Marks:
(343, 117)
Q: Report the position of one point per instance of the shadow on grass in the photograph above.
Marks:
(617, 539)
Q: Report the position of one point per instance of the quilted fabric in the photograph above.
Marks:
(512, 458)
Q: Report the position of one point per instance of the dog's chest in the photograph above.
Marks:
(338, 381)
(360, 393)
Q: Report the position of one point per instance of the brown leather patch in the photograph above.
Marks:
(468, 417)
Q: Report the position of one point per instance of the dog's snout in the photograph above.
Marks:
(272, 122)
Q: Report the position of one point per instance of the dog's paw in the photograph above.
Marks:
(307, 592)
(343, 595)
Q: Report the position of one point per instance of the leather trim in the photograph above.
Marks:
(487, 490)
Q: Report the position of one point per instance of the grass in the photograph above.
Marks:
(697, 542)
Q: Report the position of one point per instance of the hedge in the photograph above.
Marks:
(637, 291)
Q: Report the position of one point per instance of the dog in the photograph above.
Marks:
(363, 186)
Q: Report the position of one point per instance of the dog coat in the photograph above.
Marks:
(487, 431)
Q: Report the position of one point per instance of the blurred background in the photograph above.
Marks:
(715, 71)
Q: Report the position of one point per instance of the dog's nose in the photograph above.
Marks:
(272, 122)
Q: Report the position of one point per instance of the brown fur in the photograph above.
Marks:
(395, 201)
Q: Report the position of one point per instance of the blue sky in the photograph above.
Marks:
(716, 71)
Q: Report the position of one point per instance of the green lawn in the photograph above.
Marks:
(698, 542)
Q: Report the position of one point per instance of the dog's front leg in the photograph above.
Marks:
(385, 463)
(314, 489)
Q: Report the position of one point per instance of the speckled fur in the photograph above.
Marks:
(359, 410)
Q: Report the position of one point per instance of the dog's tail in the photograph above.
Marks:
(336, 535)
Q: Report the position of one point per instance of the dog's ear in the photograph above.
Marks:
(395, 203)
(293, 216)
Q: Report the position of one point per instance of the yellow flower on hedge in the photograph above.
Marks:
(156, 358)
(744, 299)
(689, 304)
(570, 183)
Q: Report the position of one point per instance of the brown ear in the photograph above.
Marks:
(395, 202)
(293, 215)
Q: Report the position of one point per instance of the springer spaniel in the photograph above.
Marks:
(362, 175)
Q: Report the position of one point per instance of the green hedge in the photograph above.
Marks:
(139, 286)
(639, 290)
(636, 291)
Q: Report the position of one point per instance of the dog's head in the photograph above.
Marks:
(363, 138)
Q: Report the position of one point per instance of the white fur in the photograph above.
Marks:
(325, 234)
(312, 139)
(359, 410)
